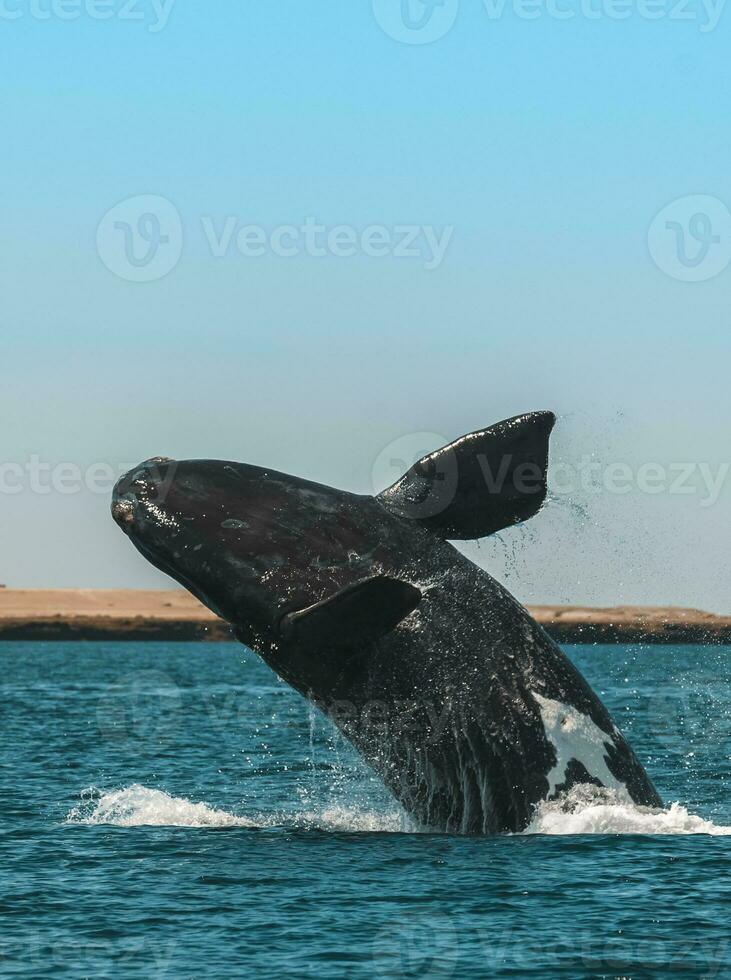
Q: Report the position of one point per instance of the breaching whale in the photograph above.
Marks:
(457, 698)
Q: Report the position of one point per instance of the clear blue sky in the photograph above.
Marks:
(547, 146)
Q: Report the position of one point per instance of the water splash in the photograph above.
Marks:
(141, 806)
(583, 810)
(597, 810)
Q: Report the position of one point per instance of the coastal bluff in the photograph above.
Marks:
(173, 614)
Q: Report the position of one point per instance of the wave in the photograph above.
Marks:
(583, 810)
(140, 806)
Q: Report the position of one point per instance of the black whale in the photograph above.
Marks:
(469, 712)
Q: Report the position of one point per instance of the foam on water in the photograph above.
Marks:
(583, 810)
(140, 806)
(596, 810)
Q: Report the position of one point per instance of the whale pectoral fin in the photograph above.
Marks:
(357, 614)
(481, 483)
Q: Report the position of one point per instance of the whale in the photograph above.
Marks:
(467, 710)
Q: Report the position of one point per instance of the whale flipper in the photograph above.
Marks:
(480, 484)
(359, 613)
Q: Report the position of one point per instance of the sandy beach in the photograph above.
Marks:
(106, 614)
(136, 614)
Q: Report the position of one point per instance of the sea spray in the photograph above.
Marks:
(142, 806)
(596, 810)
(583, 810)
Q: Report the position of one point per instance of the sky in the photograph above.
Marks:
(328, 236)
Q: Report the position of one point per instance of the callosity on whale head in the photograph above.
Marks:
(443, 682)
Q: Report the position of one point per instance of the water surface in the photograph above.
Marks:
(173, 810)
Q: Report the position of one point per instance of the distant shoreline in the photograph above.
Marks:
(132, 614)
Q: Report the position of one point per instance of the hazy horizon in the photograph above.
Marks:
(297, 236)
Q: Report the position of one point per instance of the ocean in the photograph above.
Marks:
(172, 810)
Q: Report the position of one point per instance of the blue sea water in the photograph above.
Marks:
(174, 811)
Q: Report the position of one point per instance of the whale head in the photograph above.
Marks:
(248, 542)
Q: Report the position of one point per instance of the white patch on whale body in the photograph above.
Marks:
(575, 736)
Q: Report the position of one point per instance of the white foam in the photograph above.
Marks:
(353, 820)
(575, 736)
(588, 809)
(585, 809)
(140, 806)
